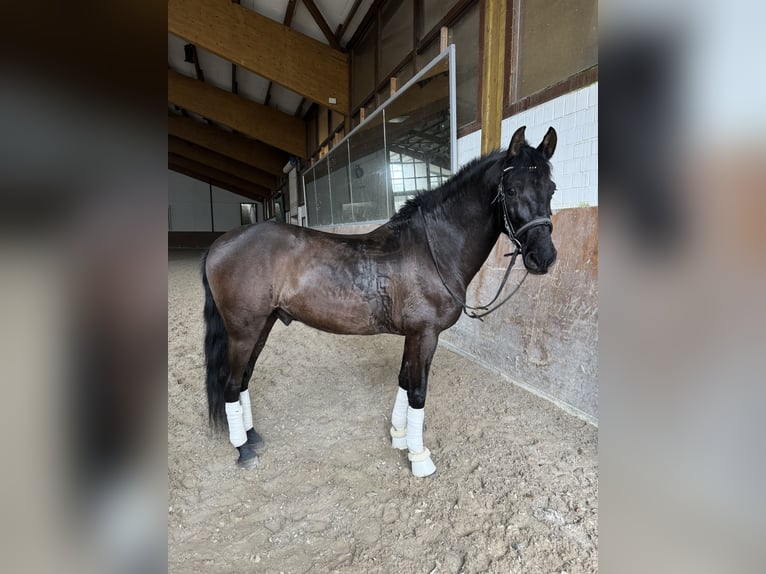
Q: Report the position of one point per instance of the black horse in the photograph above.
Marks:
(408, 277)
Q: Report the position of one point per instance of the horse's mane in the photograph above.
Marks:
(461, 183)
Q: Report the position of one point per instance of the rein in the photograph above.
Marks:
(513, 235)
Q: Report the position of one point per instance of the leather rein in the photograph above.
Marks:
(513, 234)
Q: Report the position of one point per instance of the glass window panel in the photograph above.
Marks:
(311, 205)
(417, 128)
(363, 67)
(375, 179)
(369, 172)
(558, 38)
(324, 200)
(396, 34)
(342, 207)
(465, 35)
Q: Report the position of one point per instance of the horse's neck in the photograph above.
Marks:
(474, 229)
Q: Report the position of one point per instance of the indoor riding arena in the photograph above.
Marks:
(368, 177)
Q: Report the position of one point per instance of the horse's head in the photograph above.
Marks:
(525, 194)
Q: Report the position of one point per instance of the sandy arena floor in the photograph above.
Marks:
(516, 488)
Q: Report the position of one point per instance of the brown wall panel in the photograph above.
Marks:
(192, 239)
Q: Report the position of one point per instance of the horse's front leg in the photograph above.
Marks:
(413, 380)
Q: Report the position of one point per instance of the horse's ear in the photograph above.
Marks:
(517, 141)
(548, 145)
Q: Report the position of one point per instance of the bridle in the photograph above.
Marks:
(513, 234)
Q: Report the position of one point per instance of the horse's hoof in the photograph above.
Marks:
(422, 465)
(255, 441)
(247, 457)
(248, 464)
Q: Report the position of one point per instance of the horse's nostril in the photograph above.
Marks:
(530, 260)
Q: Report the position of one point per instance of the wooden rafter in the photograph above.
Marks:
(217, 178)
(235, 146)
(267, 48)
(322, 23)
(221, 162)
(343, 27)
(288, 20)
(264, 123)
(289, 13)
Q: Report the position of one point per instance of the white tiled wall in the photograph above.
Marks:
(574, 116)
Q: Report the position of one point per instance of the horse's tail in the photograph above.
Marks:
(216, 356)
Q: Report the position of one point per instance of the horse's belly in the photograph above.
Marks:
(345, 296)
(338, 311)
(341, 319)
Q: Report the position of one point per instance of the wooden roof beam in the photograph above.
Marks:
(218, 178)
(235, 146)
(221, 162)
(342, 28)
(322, 23)
(289, 13)
(267, 48)
(264, 123)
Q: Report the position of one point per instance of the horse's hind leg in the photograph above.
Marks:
(399, 414)
(254, 440)
(243, 352)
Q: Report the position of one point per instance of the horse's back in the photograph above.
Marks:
(356, 284)
(301, 272)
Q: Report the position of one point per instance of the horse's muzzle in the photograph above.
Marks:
(538, 264)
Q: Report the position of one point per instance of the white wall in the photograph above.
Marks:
(574, 116)
(188, 202)
(189, 205)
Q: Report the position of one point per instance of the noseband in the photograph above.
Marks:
(514, 236)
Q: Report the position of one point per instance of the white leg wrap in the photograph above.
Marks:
(399, 420)
(415, 429)
(247, 413)
(420, 457)
(237, 435)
